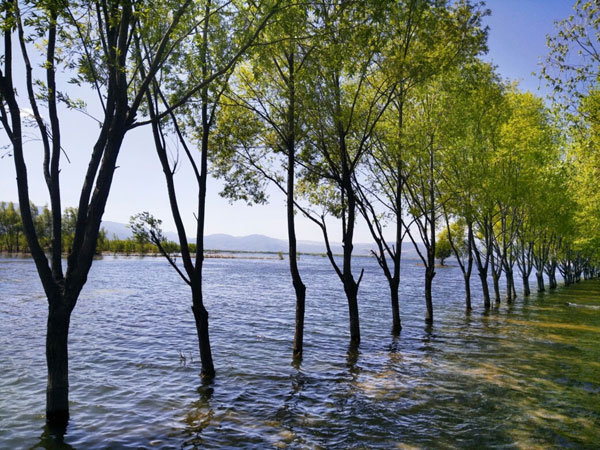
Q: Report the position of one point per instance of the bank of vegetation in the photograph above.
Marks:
(382, 111)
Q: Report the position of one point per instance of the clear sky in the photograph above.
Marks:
(517, 39)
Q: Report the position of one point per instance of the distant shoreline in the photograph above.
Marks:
(208, 254)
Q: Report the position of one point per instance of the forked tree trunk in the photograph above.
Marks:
(57, 359)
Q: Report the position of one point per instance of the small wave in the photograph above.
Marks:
(577, 305)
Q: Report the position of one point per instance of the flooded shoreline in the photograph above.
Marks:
(523, 375)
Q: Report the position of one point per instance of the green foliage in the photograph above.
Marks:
(572, 65)
(443, 248)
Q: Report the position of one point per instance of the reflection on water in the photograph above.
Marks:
(524, 375)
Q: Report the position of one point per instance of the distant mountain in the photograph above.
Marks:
(122, 231)
(257, 242)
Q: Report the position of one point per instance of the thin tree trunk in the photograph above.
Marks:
(486, 289)
(299, 286)
(552, 277)
(526, 289)
(352, 295)
(510, 281)
(513, 286)
(396, 324)
(57, 359)
(467, 277)
(429, 274)
(540, 281)
(201, 317)
(496, 280)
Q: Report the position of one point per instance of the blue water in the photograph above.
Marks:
(526, 375)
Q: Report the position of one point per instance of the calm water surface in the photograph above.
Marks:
(524, 376)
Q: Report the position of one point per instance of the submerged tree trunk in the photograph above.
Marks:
(510, 286)
(299, 286)
(351, 290)
(526, 289)
(496, 280)
(467, 277)
(540, 281)
(396, 324)
(201, 317)
(429, 274)
(57, 390)
(551, 272)
(485, 289)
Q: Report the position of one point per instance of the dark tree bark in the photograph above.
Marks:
(192, 272)
(496, 281)
(468, 305)
(429, 274)
(299, 287)
(120, 102)
(540, 281)
(526, 288)
(57, 357)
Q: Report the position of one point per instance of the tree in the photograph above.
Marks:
(424, 39)
(573, 64)
(443, 248)
(346, 100)
(204, 63)
(99, 37)
(262, 127)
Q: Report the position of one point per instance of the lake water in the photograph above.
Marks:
(526, 375)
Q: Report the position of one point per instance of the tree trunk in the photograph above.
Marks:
(295, 273)
(468, 291)
(496, 280)
(396, 324)
(57, 359)
(526, 289)
(552, 279)
(352, 295)
(429, 274)
(513, 286)
(511, 293)
(201, 316)
(300, 307)
(540, 281)
(485, 289)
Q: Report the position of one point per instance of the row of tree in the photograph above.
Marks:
(374, 109)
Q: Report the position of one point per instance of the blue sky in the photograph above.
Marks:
(517, 38)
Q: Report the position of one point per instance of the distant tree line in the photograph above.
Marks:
(381, 111)
(13, 240)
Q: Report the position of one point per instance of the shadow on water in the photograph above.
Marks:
(53, 438)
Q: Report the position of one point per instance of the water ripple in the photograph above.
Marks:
(524, 375)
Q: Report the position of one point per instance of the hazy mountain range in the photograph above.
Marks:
(256, 242)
